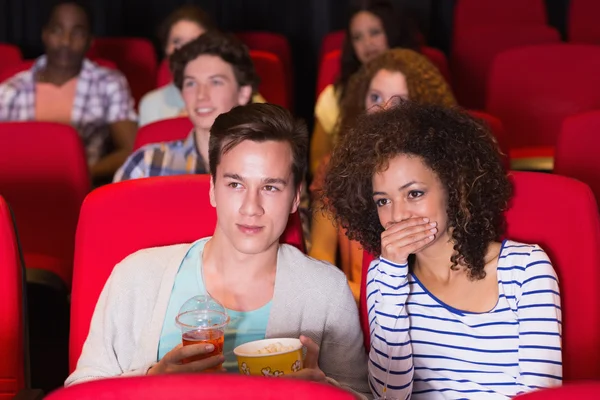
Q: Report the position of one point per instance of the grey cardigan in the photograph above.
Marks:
(310, 298)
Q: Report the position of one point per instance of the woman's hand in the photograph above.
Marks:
(401, 239)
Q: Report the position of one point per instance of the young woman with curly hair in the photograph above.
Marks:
(453, 311)
(395, 74)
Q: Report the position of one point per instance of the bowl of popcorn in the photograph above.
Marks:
(270, 357)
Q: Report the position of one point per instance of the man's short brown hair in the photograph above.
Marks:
(259, 123)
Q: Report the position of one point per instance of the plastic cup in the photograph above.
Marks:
(203, 321)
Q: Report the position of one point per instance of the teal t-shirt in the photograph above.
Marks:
(243, 328)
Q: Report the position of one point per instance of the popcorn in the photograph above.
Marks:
(276, 347)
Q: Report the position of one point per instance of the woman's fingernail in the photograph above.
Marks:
(209, 347)
(425, 219)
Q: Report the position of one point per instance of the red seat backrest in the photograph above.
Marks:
(12, 332)
(438, 58)
(468, 13)
(10, 54)
(582, 22)
(476, 47)
(119, 219)
(135, 57)
(272, 77)
(577, 150)
(581, 391)
(329, 68)
(276, 44)
(44, 177)
(559, 214)
(331, 42)
(165, 130)
(200, 386)
(533, 89)
(497, 129)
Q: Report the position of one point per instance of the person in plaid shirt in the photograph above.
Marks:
(63, 86)
(214, 74)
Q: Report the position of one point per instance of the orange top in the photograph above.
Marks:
(55, 103)
(350, 251)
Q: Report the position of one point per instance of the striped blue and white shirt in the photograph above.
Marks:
(434, 351)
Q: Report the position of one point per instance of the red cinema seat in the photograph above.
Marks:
(12, 324)
(572, 391)
(576, 153)
(475, 49)
(200, 387)
(163, 131)
(582, 25)
(271, 71)
(274, 43)
(533, 89)
(45, 192)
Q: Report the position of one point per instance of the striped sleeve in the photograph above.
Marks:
(390, 356)
(539, 313)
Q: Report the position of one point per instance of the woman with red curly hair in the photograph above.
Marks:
(453, 311)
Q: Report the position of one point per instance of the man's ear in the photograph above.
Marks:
(244, 95)
(211, 192)
(297, 196)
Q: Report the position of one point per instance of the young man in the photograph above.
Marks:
(257, 157)
(214, 74)
(63, 86)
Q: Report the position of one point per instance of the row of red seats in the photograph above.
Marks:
(557, 212)
(582, 26)
(60, 176)
(530, 88)
(485, 28)
(136, 58)
(164, 388)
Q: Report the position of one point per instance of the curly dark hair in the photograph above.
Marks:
(400, 31)
(187, 12)
(226, 46)
(425, 83)
(458, 148)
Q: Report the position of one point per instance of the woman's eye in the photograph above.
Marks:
(375, 98)
(381, 202)
(413, 194)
